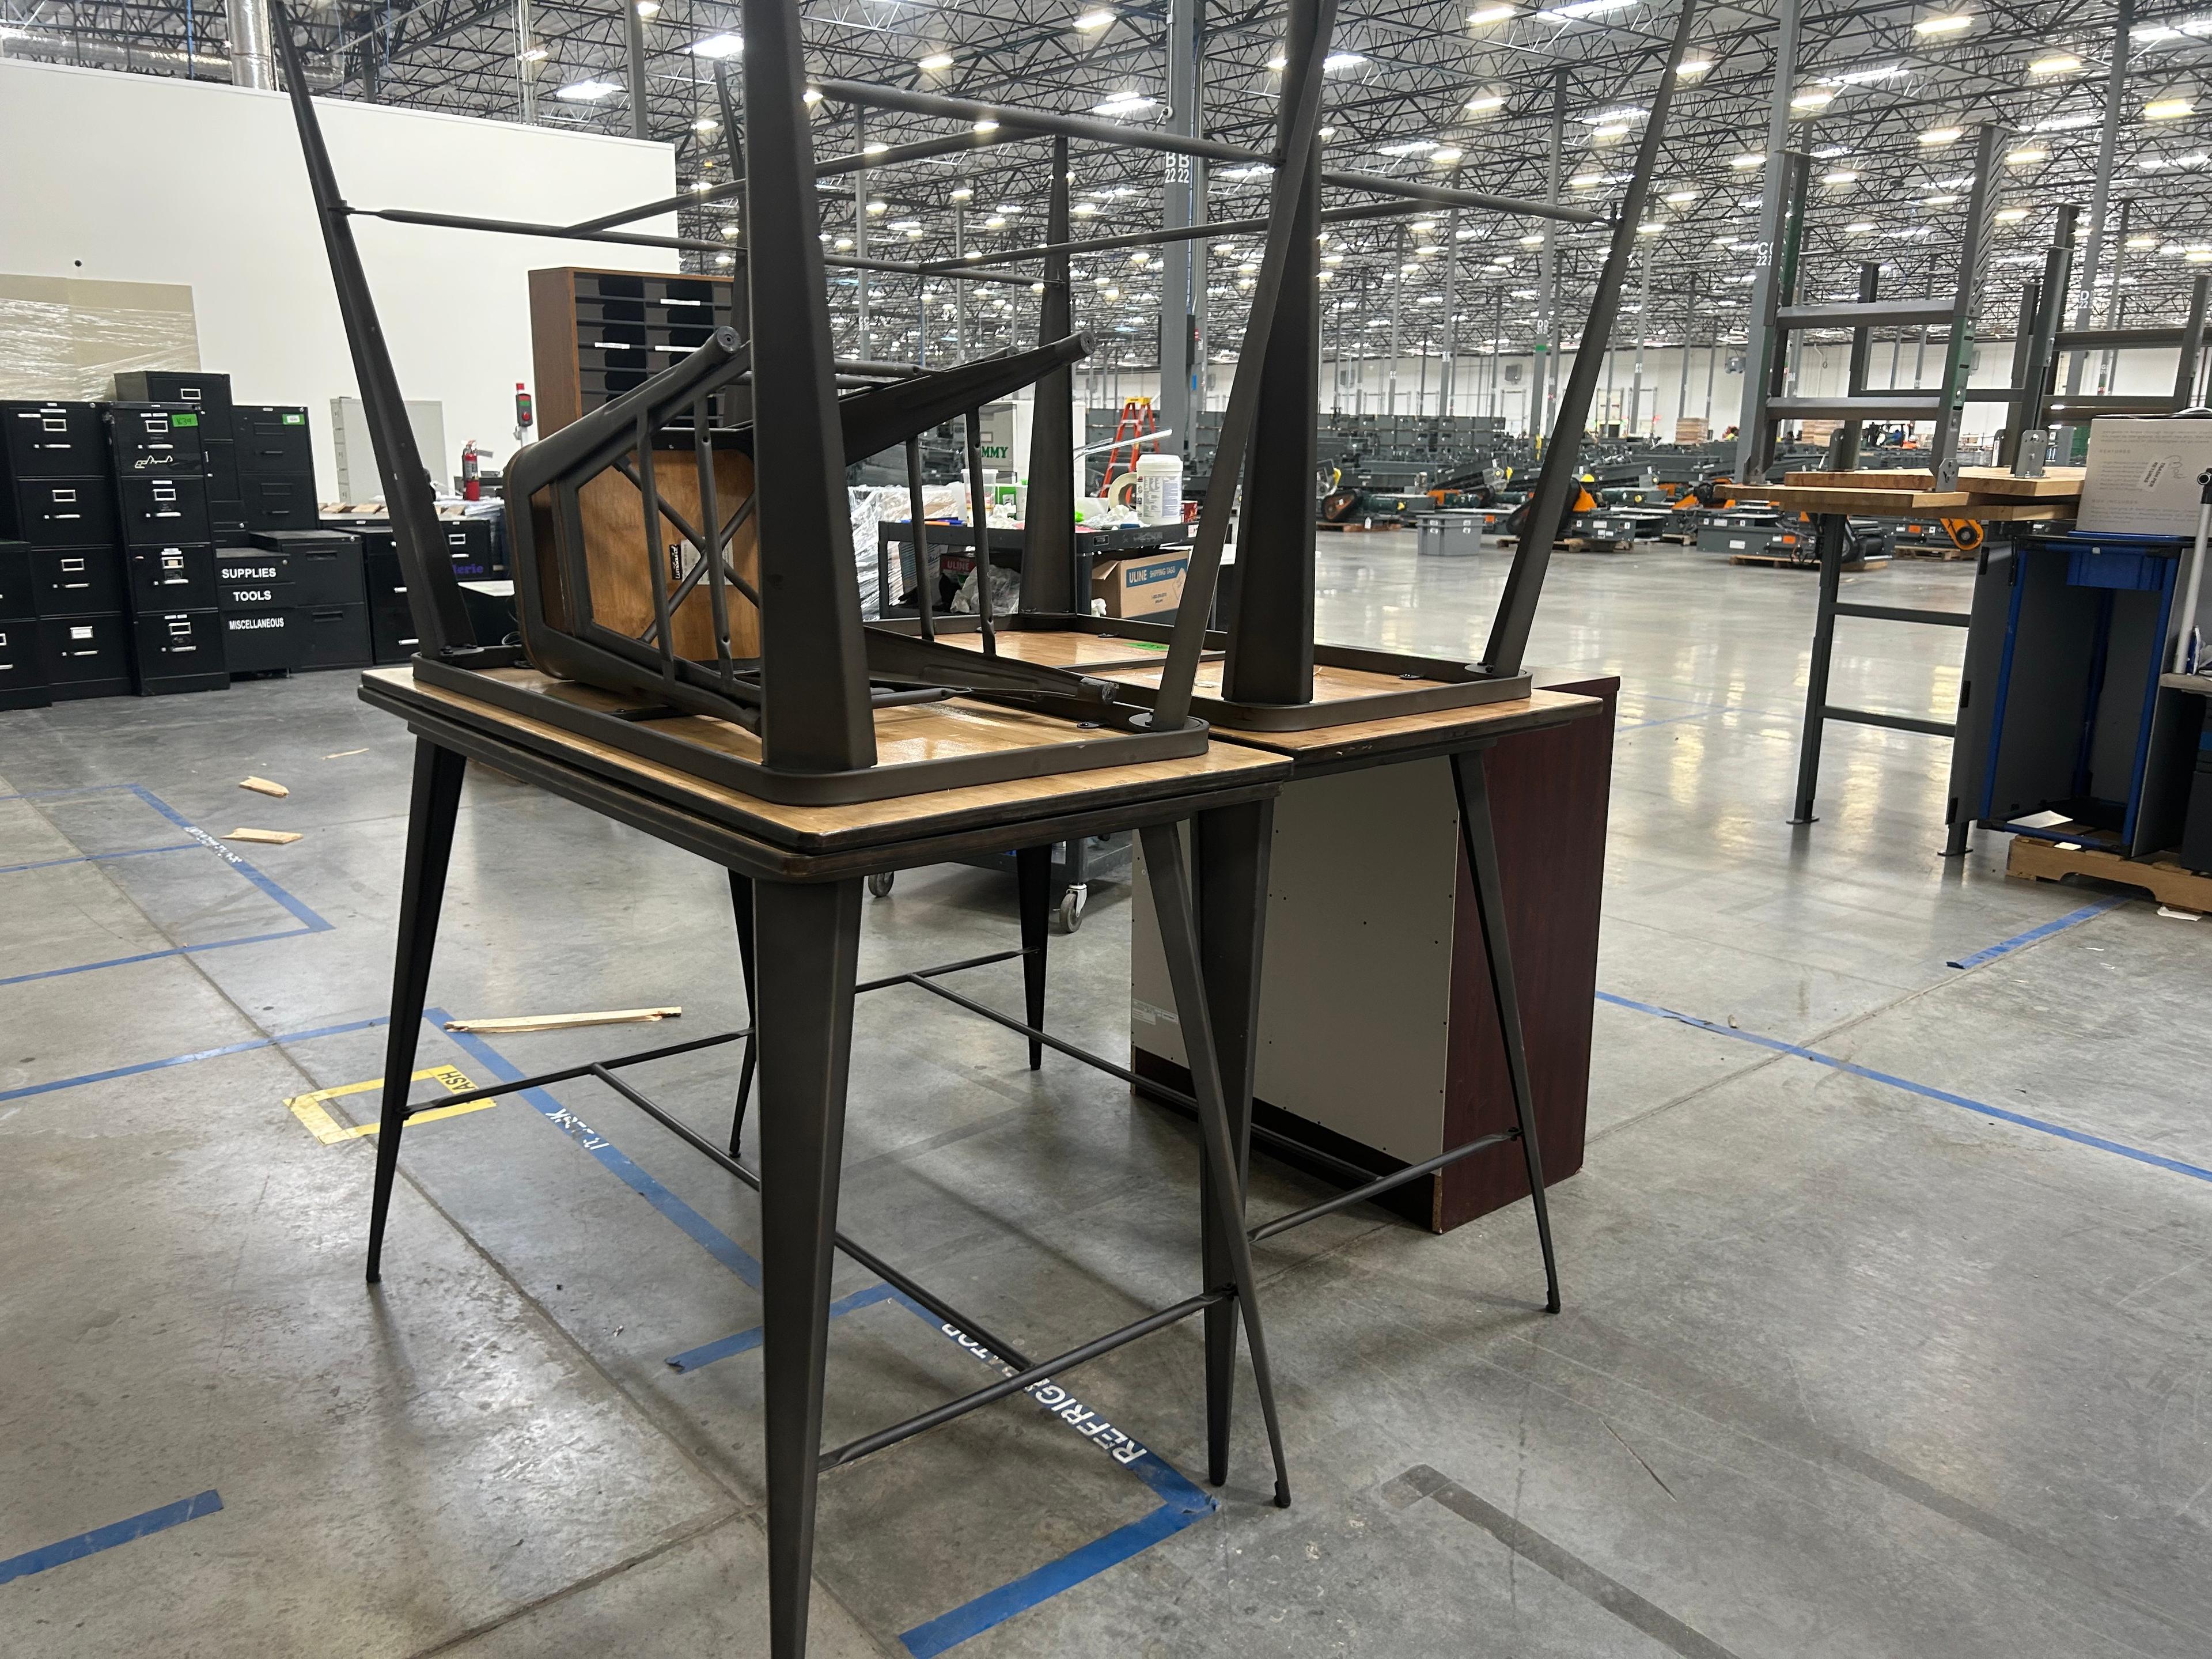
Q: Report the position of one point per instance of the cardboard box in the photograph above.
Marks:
(2141, 476)
(1142, 586)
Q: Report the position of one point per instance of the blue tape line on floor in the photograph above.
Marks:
(309, 921)
(100, 858)
(745, 1341)
(2041, 1125)
(1670, 719)
(949, 1630)
(186, 1060)
(107, 1538)
(702, 1232)
(307, 917)
(157, 956)
(2059, 925)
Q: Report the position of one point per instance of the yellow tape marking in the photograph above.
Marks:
(308, 1108)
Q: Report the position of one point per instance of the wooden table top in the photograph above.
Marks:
(889, 834)
(1410, 736)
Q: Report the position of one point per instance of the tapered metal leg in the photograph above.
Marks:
(741, 907)
(1828, 540)
(1230, 875)
(431, 810)
(1033, 887)
(811, 933)
(1164, 869)
(1481, 840)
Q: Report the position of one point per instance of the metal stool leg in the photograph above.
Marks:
(1481, 840)
(741, 907)
(1164, 868)
(1828, 537)
(1231, 874)
(1033, 888)
(431, 810)
(812, 934)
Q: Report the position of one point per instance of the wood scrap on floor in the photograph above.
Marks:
(264, 837)
(263, 786)
(511, 1025)
(342, 753)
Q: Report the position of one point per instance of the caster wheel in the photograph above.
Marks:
(880, 884)
(1071, 911)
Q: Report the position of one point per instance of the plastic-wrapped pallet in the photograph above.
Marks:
(867, 505)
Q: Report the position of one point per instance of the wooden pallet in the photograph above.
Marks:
(1783, 562)
(1355, 529)
(2034, 859)
(1944, 555)
(1585, 544)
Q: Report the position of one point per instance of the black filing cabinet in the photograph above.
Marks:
(209, 393)
(293, 599)
(61, 565)
(262, 630)
(276, 467)
(168, 568)
(330, 590)
(207, 397)
(390, 619)
(23, 674)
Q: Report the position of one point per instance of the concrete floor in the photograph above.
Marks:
(1888, 1326)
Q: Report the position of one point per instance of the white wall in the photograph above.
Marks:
(134, 178)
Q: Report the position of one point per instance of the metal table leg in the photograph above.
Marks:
(812, 934)
(1828, 532)
(431, 810)
(1479, 837)
(1033, 889)
(1164, 868)
(1234, 845)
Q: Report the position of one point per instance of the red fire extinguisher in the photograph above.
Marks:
(471, 484)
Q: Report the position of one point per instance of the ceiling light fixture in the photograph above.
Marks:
(2167, 109)
(1581, 8)
(1936, 137)
(2020, 158)
(587, 92)
(936, 60)
(2058, 63)
(1091, 21)
(1948, 23)
(718, 46)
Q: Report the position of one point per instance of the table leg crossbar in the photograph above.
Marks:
(1028, 1372)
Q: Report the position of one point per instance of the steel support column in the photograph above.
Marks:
(1758, 333)
(1176, 402)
